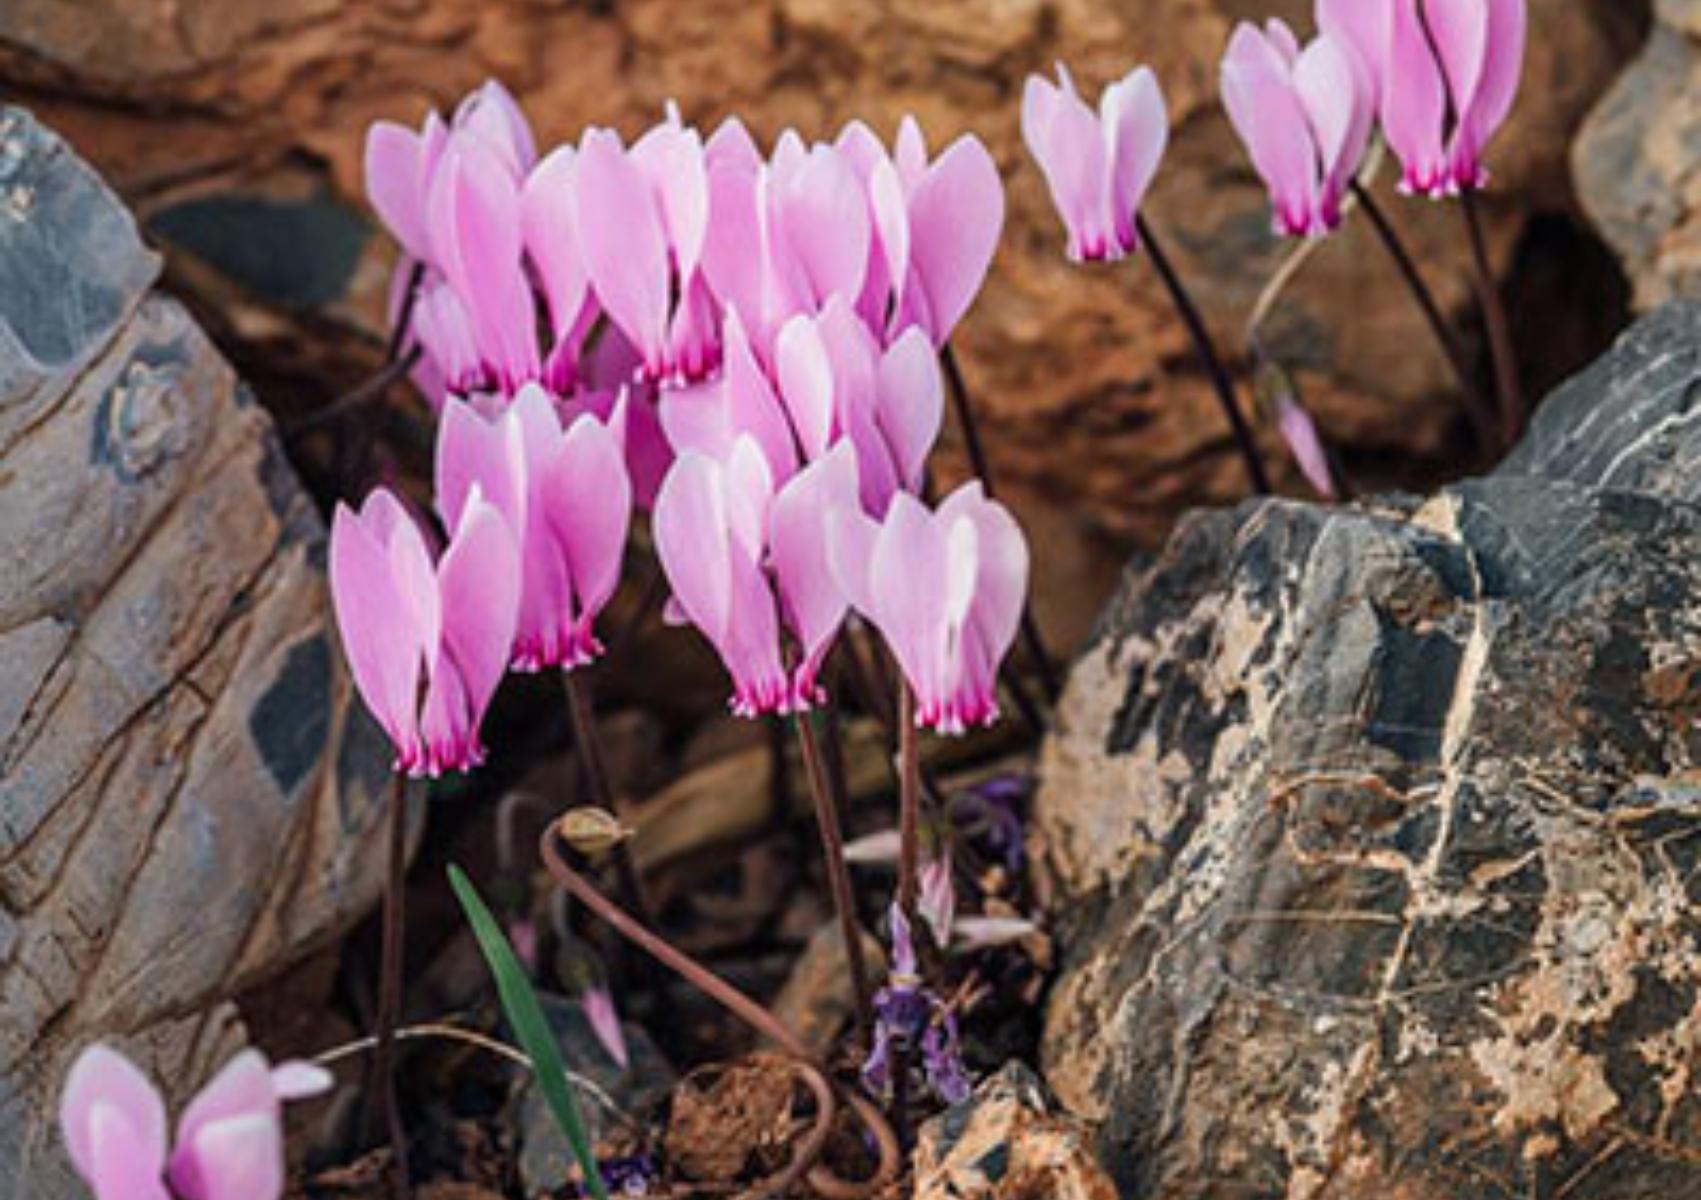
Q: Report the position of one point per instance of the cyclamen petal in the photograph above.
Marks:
(1136, 124)
(112, 1117)
(956, 214)
(624, 245)
(551, 239)
(474, 219)
(1414, 103)
(479, 581)
(813, 602)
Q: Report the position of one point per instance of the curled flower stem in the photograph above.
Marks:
(1189, 312)
(1499, 327)
(838, 873)
(390, 986)
(602, 791)
(745, 1009)
(1030, 630)
(1476, 406)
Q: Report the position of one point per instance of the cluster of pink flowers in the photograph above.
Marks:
(745, 345)
(229, 1143)
(1438, 75)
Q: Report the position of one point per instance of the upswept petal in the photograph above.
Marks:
(474, 218)
(625, 248)
(805, 374)
(384, 645)
(237, 1158)
(1339, 115)
(551, 239)
(812, 600)
(396, 184)
(1414, 103)
(109, 1106)
(956, 216)
(1136, 124)
(911, 406)
(588, 505)
(479, 580)
(1367, 26)
(692, 541)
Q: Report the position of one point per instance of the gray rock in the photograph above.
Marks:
(1637, 159)
(188, 797)
(1007, 1142)
(1375, 832)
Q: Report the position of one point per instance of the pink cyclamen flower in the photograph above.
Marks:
(1098, 166)
(401, 163)
(945, 589)
(640, 219)
(405, 619)
(229, 1142)
(566, 494)
(1305, 117)
(935, 227)
(742, 556)
(1446, 73)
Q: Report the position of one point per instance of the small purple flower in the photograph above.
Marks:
(633, 1175)
(907, 1015)
(992, 812)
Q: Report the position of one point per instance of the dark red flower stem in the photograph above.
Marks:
(838, 872)
(758, 1018)
(1477, 407)
(1220, 380)
(390, 986)
(589, 753)
(1506, 383)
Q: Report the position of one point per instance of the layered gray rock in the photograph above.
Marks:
(1374, 833)
(188, 796)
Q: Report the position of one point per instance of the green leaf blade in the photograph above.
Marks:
(531, 1027)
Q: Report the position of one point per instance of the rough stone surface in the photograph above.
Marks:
(1100, 417)
(1006, 1142)
(1374, 833)
(186, 798)
(1637, 160)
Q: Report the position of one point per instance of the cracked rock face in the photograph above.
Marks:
(1374, 833)
(188, 796)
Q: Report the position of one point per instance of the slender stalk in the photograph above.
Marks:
(390, 986)
(1477, 406)
(752, 1014)
(393, 372)
(1207, 349)
(838, 873)
(1500, 346)
(909, 804)
(909, 878)
(1032, 639)
(602, 791)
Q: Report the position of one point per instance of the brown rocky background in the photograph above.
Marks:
(234, 127)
